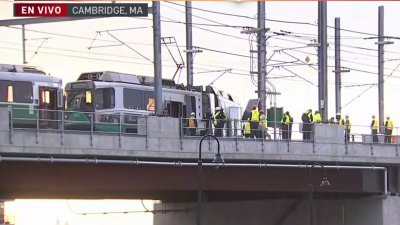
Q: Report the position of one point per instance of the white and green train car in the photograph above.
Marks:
(114, 101)
(32, 96)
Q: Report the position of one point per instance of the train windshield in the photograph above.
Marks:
(79, 100)
(84, 100)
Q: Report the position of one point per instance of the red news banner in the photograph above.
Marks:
(80, 9)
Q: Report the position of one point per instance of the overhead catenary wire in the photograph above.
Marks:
(363, 92)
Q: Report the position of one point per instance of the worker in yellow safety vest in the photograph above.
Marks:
(246, 129)
(347, 128)
(254, 119)
(262, 125)
(192, 124)
(317, 117)
(388, 130)
(374, 128)
(285, 122)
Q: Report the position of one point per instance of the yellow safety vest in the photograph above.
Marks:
(341, 122)
(375, 124)
(389, 124)
(285, 119)
(263, 121)
(247, 128)
(348, 124)
(317, 118)
(309, 117)
(191, 122)
(215, 118)
(255, 116)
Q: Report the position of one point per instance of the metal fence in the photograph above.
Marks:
(291, 132)
(88, 122)
(126, 123)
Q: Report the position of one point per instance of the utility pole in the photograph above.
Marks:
(338, 69)
(338, 82)
(322, 60)
(157, 58)
(189, 44)
(380, 67)
(262, 63)
(23, 45)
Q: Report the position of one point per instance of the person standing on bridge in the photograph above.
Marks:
(347, 128)
(263, 126)
(254, 121)
(388, 130)
(290, 125)
(192, 124)
(374, 129)
(219, 121)
(307, 119)
(317, 117)
(246, 129)
(285, 123)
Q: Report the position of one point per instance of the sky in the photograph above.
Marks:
(67, 49)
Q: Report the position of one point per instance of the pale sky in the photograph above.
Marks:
(65, 52)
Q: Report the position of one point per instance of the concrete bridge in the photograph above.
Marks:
(262, 182)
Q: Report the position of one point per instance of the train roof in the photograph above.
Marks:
(25, 73)
(110, 76)
(20, 69)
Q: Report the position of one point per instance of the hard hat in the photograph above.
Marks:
(337, 114)
(192, 114)
(217, 108)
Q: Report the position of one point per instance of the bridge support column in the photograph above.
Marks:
(365, 211)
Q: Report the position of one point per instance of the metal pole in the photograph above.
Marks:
(262, 63)
(189, 44)
(380, 68)
(311, 190)
(337, 67)
(23, 45)
(311, 204)
(157, 58)
(200, 177)
(322, 60)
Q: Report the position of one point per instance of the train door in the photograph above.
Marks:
(174, 109)
(48, 107)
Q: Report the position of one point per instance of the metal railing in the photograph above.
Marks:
(62, 121)
(291, 132)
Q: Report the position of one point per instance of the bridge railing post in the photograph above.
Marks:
(62, 127)
(37, 125)
(181, 132)
(10, 116)
(120, 130)
(91, 128)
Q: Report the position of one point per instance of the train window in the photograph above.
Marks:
(206, 104)
(4, 90)
(47, 97)
(133, 99)
(22, 91)
(193, 100)
(104, 98)
(88, 97)
(148, 100)
(10, 95)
